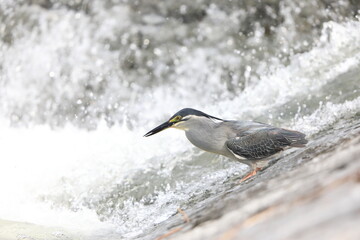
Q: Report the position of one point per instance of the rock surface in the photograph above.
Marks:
(316, 198)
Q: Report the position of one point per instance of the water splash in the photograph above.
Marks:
(104, 64)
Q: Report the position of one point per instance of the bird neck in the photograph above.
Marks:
(207, 135)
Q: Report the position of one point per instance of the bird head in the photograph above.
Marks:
(182, 120)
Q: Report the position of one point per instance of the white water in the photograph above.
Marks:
(112, 180)
(68, 161)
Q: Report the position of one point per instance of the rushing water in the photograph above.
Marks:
(82, 81)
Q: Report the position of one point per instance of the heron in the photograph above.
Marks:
(245, 141)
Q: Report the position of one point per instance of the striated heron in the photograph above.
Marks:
(243, 141)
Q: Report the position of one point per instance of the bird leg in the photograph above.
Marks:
(252, 173)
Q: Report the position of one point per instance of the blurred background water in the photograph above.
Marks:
(81, 81)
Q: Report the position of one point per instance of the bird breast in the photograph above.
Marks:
(208, 139)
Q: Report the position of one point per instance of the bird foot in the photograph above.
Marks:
(252, 173)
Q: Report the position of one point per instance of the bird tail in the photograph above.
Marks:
(296, 139)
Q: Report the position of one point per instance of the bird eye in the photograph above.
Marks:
(176, 119)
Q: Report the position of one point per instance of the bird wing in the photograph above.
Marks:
(264, 142)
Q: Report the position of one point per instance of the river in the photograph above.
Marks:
(82, 81)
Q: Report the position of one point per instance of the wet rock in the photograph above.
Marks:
(317, 199)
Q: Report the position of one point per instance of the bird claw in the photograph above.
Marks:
(252, 173)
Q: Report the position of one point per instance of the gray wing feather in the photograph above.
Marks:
(265, 142)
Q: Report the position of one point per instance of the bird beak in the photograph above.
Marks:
(159, 128)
